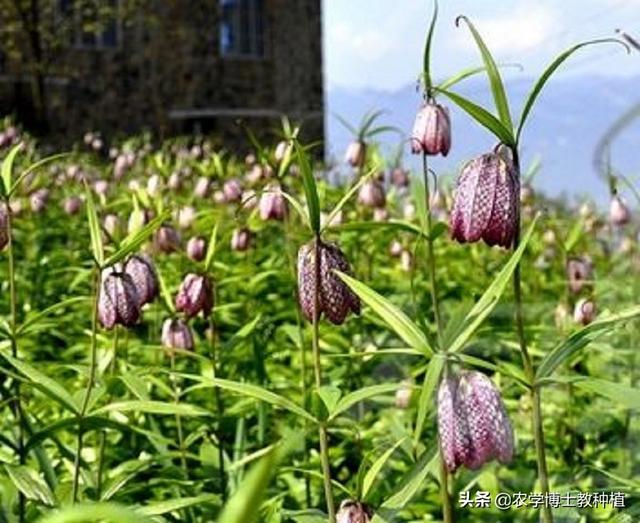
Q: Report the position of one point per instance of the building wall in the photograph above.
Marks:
(167, 75)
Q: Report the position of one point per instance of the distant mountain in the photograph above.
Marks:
(572, 115)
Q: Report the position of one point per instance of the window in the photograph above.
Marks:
(242, 29)
(94, 23)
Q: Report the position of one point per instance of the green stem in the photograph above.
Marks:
(176, 399)
(538, 431)
(215, 368)
(103, 434)
(322, 431)
(19, 414)
(90, 385)
(447, 508)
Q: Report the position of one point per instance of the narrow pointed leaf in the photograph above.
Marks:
(431, 380)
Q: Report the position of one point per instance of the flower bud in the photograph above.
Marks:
(356, 154)
(72, 205)
(154, 185)
(395, 249)
(118, 301)
(166, 239)
(185, 216)
(353, 512)
(273, 205)
(174, 181)
(335, 299)
(380, 215)
(232, 190)
(101, 187)
(241, 239)
(202, 187)
(111, 224)
(249, 199)
(579, 273)
(371, 194)
(143, 274)
(619, 213)
(400, 177)
(195, 295)
(176, 334)
(38, 200)
(486, 202)
(196, 248)
(473, 425)
(403, 395)
(584, 312)
(431, 130)
(406, 260)
(281, 150)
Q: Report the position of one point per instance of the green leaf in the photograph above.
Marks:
(310, 188)
(375, 469)
(164, 507)
(495, 80)
(153, 407)
(243, 506)
(39, 316)
(44, 384)
(96, 512)
(620, 394)
(253, 391)
(360, 395)
(348, 196)
(540, 83)
(489, 299)
(580, 339)
(330, 395)
(483, 117)
(7, 168)
(211, 248)
(393, 225)
(431, 380)
(414, 481)
(132, 242)
(94, 228)
(31, 484)
(390, 314)
(34, 167)
(466, 73)
(428, 84)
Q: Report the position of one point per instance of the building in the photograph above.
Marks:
(167, 66)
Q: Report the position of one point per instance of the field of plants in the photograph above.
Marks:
(189, 335)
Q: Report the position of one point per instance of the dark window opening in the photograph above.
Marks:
(93, 24)
(242, 31)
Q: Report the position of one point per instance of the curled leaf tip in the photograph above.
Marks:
(459, 18)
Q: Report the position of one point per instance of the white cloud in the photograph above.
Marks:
(522, 29)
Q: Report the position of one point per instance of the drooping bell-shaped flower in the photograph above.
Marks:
(72, 205)
(232, 190)
(241, 239)
(38, 200)
(176, 334)
(143, 274)
(431, 130)
(273, 205)
(400, 177)
(371, 194)
(195, 295)
(486, 201)
(335, 299)
(196, 248)
(353, 512)
(281, 150)
(166, 239)
(473, 425)
(356, 153)
(579, 273)
(619, 213)
(118, 301)
(202, 187)
(584, 312)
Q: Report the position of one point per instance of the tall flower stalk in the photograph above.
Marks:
(498, 174)
(13, 306)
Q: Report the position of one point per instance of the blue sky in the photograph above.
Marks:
(378, 43)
